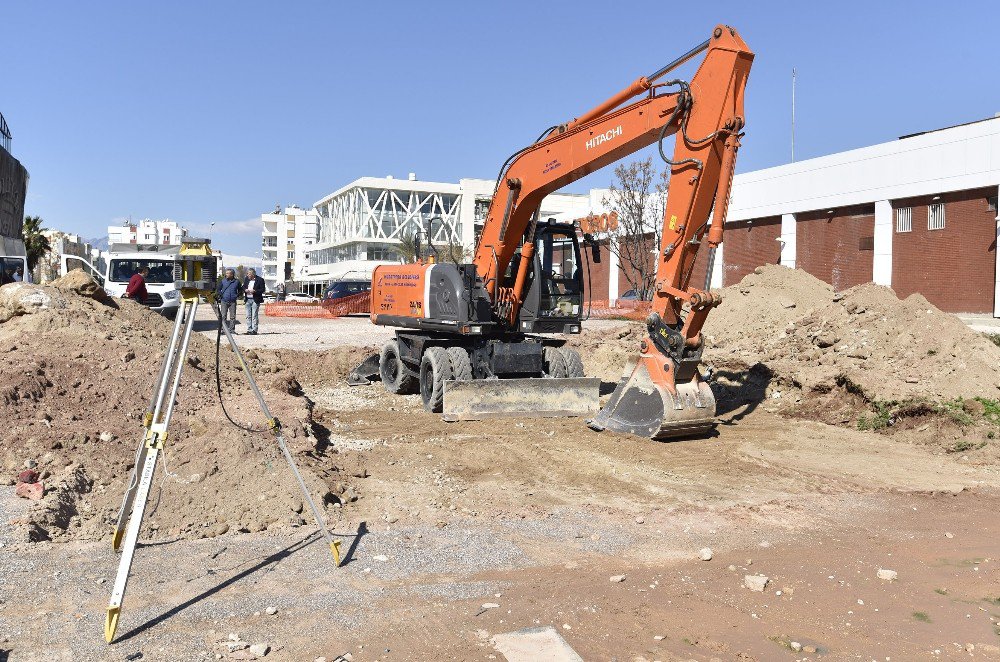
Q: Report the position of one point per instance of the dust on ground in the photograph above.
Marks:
(532, 515)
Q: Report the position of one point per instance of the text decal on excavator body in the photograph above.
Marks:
(604, 137)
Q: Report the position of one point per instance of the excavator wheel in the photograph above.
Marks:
(396, 377)
(554, 362)
(461, 365)
(435, 369)
(574, 364)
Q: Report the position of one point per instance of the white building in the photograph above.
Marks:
(60, 243)
(362, 224)
(147, 231)
(286, 240)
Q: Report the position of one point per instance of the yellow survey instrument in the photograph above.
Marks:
(195, 269)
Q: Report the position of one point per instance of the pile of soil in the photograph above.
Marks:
(864, 339)
(782, 332)
(77, 372)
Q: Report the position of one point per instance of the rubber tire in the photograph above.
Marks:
(461, 364)
(396, 377)
(574, 364)
(435, 368)
(554, 363)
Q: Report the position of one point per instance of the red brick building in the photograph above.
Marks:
(918, 214)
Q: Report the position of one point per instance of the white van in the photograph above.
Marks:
(12, 260)
(125, 260)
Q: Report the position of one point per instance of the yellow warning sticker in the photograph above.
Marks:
(673, 222)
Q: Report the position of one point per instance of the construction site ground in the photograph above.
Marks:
(457, 532)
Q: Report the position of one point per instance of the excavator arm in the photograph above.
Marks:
(709, 114)
(661, 394)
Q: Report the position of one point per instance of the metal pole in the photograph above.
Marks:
(793, 114)
(275, 426)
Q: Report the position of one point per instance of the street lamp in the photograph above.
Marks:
(211, 227)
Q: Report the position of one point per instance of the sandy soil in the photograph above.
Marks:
(534, 516)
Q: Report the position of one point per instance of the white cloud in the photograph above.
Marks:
(229, 260)
(249, 226)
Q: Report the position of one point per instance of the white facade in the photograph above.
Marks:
(287, 237)
(147, 231)
(363, 223)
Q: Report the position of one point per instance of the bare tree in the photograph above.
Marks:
(637, 196)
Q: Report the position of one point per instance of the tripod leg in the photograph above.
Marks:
(275, 426)
(155, 437)
(140, 456)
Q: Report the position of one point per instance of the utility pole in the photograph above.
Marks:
(793, 114)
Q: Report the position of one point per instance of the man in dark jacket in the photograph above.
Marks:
(136, 289)
(228, 291)
(253, 291)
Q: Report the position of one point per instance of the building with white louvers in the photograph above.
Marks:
(362, 224)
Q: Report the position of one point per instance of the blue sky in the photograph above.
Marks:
(217, 111)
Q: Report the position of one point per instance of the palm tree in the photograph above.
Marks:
(35, 243)
(408, 247)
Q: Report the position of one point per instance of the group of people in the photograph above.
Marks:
(15, 275)
(229, 291)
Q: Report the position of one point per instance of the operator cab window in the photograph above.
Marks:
(562, 280)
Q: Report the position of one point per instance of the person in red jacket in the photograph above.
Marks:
(136, 289)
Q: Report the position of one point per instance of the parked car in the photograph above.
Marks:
(346, 288)
(301, 297)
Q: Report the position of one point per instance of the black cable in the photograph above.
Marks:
(218, 380)
(518, 153)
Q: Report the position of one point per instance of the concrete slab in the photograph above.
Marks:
(542, 644)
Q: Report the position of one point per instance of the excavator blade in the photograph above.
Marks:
(641, 407)
(477, 399)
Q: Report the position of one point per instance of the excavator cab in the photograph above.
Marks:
(553, 302)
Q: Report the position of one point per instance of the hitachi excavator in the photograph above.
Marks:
(472, 339)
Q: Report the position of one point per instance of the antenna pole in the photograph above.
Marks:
(793, 114)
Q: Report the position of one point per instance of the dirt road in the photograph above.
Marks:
(459, 532)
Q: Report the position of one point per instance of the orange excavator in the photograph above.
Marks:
(475, 339)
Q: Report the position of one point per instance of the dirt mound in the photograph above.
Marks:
(864, 339)
(79, 282)
(76, 376)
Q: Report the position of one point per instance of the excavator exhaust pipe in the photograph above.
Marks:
(658, 411)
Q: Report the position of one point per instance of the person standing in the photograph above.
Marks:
(228, 291)
(280, 289)
(136, 289)
(253, 293)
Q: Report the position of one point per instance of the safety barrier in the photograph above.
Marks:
(627, 309)
(356, 304)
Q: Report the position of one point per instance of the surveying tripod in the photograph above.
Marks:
(194, 276)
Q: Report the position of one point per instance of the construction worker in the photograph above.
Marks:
(136, 289)
(229, 290)
(253, 293)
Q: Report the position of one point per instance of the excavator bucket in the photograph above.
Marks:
(642, 407)
(477, 399)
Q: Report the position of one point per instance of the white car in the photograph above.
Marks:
(301, 297)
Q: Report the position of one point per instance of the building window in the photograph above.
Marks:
(904, 219)
(991, 203)
(935, 216)
(291, 255)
